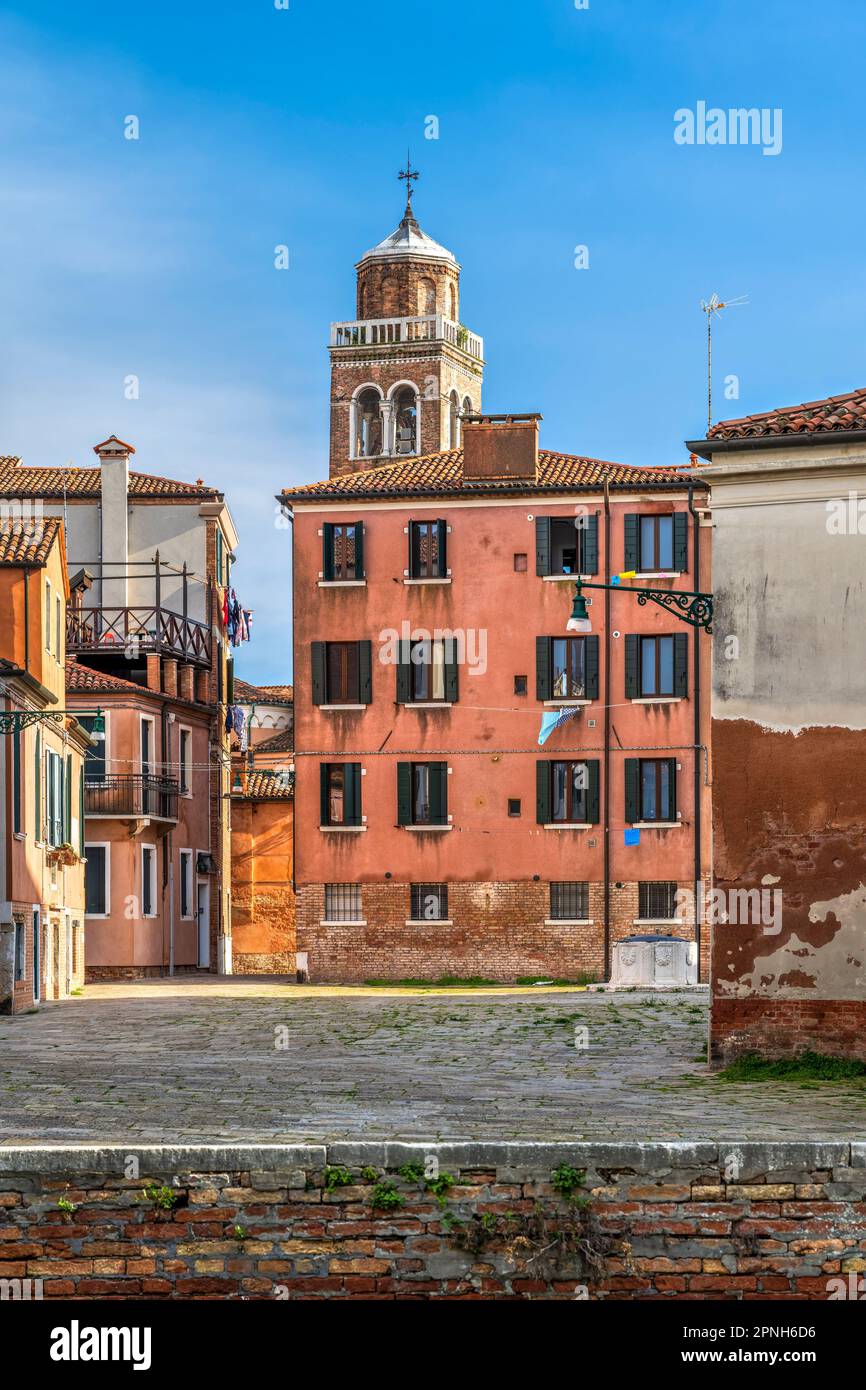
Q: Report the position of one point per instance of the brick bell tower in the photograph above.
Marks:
(405, 371)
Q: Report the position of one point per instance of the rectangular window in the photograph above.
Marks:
(54, 797)
(520, 685)
(47, 615)
(96, 897)
(95, 756)
(427, 670)
(657, 787)
(58, 650)
(514, 806)
(569, 784)
(184, 771)
(569, 902)
(16, 780)
(657, 666)
(148, 881)
(341, 794)
(186, 883)
(342, 902)
(427, 550)
(20, 949)
(566, 544)
(657, 902)
(428, 902)
(656, 543)
(568, 668)
(343, 556)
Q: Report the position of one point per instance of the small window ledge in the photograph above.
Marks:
(446, 579)
(428, 704)
(569, 825)
(658, 574)
(343, 922)
(659, 922)
(657, 825)
(566, 578)
(429, 922)
(568, 921)
(341, 829)
(566, 704)
(428, 829)
(340, 707)
(342, 583)
(657, 700)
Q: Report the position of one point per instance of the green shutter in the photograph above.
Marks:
(328, 550)
(672, 763)
(438, 774)
(542, 545)
(38, 783)
(404, 793)
(681, 542)
(590, 666)
(442, 548)
(631, 541)
(352, 793)
(404, 674)
(589, 559)
(81, 811)
(542, 668)
(681, 663)
(230, 680)
(632, 789)
(592, 791)
(542, 792)
(451, 678)
(16, 779)
(67, 829)
(632, 666)
(359, 550)
(317, 656)
(219, 555)
(365, 673)
(324, 809)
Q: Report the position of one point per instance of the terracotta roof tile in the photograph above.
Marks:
(83, 680)
(282, 742)
(19, 480)
(247, 694)
(268, 785)
(442, 475)
(27, 542)
(833, 414)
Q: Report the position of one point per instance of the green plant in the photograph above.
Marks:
(440, 1187)
(370, 1174)
(807, 1066)
(240, 1233)
(411, 1172)
(67, 1207)
(386, 1197)
(566, 1180)
(165, 1198)
(337, 1177)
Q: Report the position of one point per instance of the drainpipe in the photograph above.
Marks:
(27, 620)
(696, 547)
(607, 576)
(171, 912)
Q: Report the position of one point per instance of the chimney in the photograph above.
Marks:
(113, 457)
(500, 446)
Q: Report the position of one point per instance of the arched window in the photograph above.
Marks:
(426, 296)
(467, 406)
(390, 297)
(406, 420)
(452, 299)
(453, 421)
(367, 432)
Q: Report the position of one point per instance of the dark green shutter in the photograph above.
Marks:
(590, 666)
(681, 542)
(672, 763)
(404, 793)
(365, 672)
(542, 545)
(542, 792)
(81, 810)
(67, 829)
(681, 663)
(631, 541)
(16, 779)
(451, 680)
(359, 550)
(404, 674)
(542, 668)
(442, 547)
(632, 666)
(230, 680)
(324, 808)
(328, 550)
(317, 650)
(352, 793)
(592, 791)
(38, 784)
(632, 789)
(438, 774)
(589, 559)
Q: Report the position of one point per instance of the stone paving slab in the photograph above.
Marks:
(250, 1062)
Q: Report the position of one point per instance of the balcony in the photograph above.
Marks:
(427, 328)
(131, 631)
(131, 796)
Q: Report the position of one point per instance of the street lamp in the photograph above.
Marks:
(688, 605)
(579, 620)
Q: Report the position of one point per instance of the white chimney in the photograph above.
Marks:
(113, 457)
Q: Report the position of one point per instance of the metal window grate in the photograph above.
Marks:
(429, 902)
(657, 901)
(569, 901)
(342, 902)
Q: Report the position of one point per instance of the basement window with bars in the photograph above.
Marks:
(428, 902)
(342, 902)
(569, 902)
(657, 902)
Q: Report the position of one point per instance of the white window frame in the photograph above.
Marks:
(58, 631)
(186, 858)
(153, 898)
(106, 885)
(181, 730)
(146, 719)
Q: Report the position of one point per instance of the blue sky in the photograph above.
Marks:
(261, 126)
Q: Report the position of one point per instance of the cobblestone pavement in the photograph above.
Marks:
(216, 1061)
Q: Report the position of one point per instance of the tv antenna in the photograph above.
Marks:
(712, 306)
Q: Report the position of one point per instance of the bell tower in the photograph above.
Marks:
(405, 370)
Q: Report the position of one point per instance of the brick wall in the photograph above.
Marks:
(682, 1220)
(499, 930)
(782, 1027)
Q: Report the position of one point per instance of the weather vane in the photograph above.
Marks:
(408, 174)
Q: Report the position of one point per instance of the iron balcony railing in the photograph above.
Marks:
(130, 794)
(129, 631)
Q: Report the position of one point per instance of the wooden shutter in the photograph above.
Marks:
(352, 794)
(632, 666)
(631, 541)
(328, 550)
(451, 676)
(230, 680)
(438, 774)
(442, 548)
(542, 545)
(319, 685)
(542, 792)
(81, 811)
(324, 807)
(590, 666)
(359, 550)
(589, 560)
(404, 793)
(632, 789)
(592, 791)
(542, 668)
(672, 763)
(38, 782)
(67, 829)
(681, 541)
(365, 673)
(16, 779)
(681, 663)
(404, 674)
